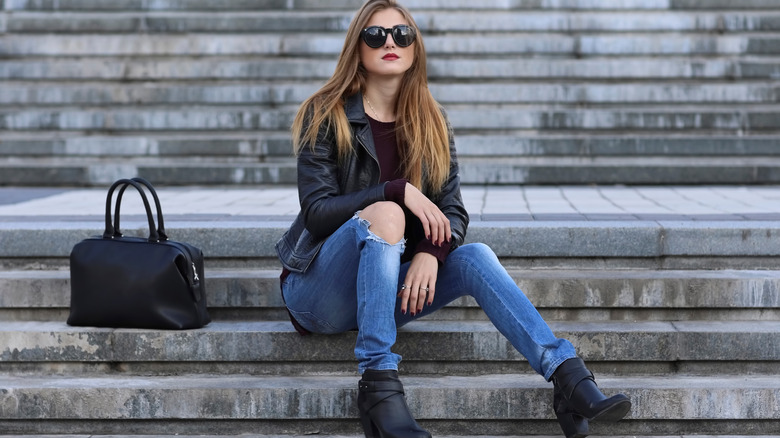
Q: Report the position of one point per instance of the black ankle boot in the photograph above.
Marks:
(383, 409)
(577, 400)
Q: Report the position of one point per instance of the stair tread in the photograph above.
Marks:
(485, 397)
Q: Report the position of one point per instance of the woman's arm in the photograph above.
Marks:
(324, 205)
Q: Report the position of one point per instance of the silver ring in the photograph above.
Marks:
(403, 286)
(426, 289)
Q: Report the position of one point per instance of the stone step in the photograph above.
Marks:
(562, 295)
(485, 405)
(429, 21)
(655, 239)
(421, 343)
(507, 66)
(258, 146)
(680, 119)
(330, 44)
(15, 94)
(474, 170)
(502, 5)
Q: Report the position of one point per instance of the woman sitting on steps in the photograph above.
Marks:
(379, 239)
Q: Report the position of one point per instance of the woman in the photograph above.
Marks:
(379, 239)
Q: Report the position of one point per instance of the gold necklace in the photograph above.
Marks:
(379, 119)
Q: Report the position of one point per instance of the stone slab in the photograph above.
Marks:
(280, 93)
(429, 22)
(490, 397)
(331, 44)
(486, 67)
(546, 288)
(445, 341)
(508, 239)
(467, 117)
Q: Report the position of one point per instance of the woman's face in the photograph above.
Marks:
(389, 59)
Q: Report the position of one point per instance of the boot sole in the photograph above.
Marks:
(613, 413)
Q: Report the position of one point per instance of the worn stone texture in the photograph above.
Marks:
(670, 293)
(526, 71)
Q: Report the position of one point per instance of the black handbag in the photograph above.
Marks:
(136, 282)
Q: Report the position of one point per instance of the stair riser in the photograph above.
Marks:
(555, 291)
(657, 237)
(276, 44)
(488, 118)
(510, 403)
(53, 94)
(80, 149)
(495, 67)
(472, 173)
(431, 342)
(429, 23)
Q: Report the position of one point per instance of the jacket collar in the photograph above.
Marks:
(353, 107)
(356, 114)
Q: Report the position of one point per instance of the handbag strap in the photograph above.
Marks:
(110, 232)
(160, 222)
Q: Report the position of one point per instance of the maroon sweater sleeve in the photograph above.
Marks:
(440, 252)
(395, 191)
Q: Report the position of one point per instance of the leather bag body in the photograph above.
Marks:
(136, 282)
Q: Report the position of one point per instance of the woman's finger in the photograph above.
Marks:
(404, 295)
(421, 297)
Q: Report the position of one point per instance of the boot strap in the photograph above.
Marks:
(380, 386)
(568, 379)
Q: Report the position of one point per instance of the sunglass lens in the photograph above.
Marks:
(374, 36)
(403, 35)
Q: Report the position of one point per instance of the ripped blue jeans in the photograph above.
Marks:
(354, 281)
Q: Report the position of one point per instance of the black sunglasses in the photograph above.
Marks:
(375, 36)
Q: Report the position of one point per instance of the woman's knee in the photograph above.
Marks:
(387, 220)
(478, 250)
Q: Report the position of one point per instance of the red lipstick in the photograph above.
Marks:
(390, 57)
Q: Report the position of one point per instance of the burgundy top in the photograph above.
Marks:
(389, 163)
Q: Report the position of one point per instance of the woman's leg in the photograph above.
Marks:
(351, 285)
(475, 270)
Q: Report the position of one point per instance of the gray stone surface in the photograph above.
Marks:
(669, 292)
(489, 397)
(329, 44)
(598, 289)
(444, 92)
(490, 67)
(429, 21)
(512, 239)
(426, 341)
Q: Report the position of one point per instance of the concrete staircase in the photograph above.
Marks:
(540, 92)
(682, 316)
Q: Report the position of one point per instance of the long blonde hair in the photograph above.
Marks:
(420, 124)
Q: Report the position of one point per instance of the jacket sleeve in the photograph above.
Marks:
(323, 204)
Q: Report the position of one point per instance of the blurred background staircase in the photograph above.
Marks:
(539, 92)
(681, 316)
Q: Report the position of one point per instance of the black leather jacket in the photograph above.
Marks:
(330, 193)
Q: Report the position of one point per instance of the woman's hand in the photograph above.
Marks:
(421, 276)
(434, 222)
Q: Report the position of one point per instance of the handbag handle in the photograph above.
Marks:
(110, 232)
(160, 224)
